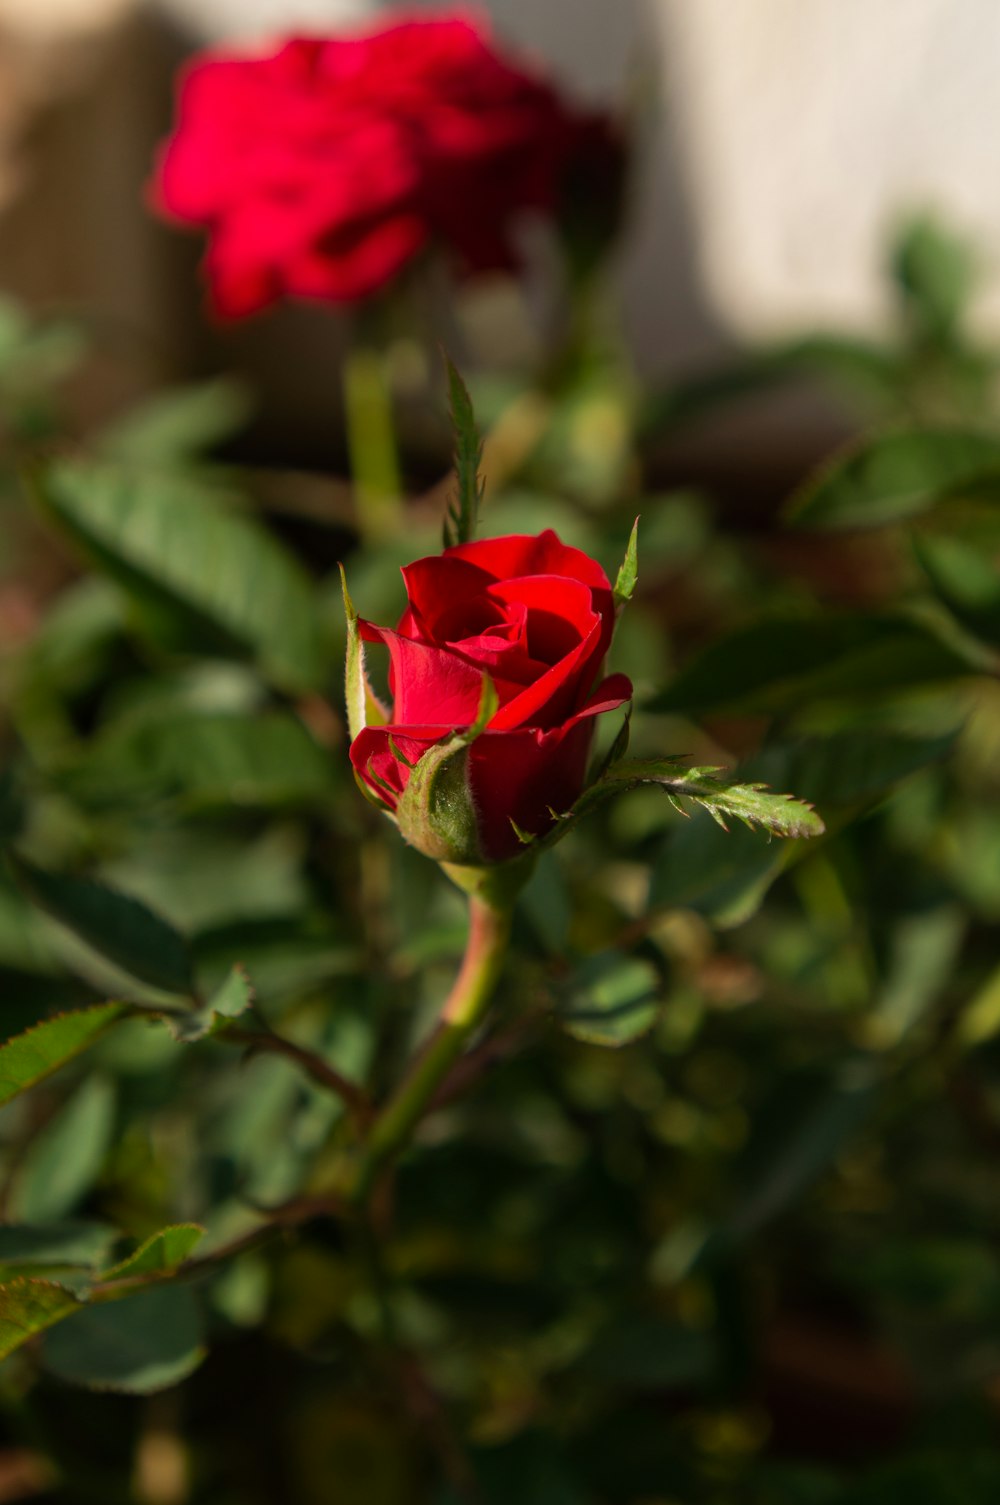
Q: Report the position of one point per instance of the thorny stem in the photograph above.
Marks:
(489, 932)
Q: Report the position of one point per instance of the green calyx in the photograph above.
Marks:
(436, 812)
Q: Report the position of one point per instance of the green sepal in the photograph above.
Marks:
(363, 706)
(436, 812)
(628, 574)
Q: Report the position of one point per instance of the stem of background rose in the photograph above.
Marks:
(489, 933)
(371, 443)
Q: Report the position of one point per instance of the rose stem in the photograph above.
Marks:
(489, 932)
(371, 443)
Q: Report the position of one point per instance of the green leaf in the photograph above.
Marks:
(628, 574)
(797, 1137)
(884, 478)
(787, 663)
(233, 998)
(966, 577)
(28, 1306)
(979, 1020)
(648, 1352)
(63, 1161)
(726, 875)
(611, 999)
(206, 761)
(363, 706)
(462, 516)
(180, 423)
(848, 768)
(935, 273)
(860, 368)
(753, 804)
(121, 929)
(194, 564)
(160, 1254)
(68, 1244)
(137, 1345)
(34, 1055)
(12, 808)
(723, 875)
(923, 954)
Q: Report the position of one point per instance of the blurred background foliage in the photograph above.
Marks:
(718, 1220)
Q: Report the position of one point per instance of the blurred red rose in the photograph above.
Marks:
(535, 615)
(322, 168)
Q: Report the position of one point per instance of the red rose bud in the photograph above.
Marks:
(322, 168)
(495, 677)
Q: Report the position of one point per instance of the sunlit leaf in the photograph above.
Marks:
(34, 1055)
(194, 561)
(160, 1254)
(29, 1306)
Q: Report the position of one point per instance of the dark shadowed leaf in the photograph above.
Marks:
(788, 663)
(966, 577)
(886, 477)
(74, 1245)
(118, 927)
(139, 1344)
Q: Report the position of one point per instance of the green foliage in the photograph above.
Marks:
(160, 1254)
(193, 564)
(233, 998)
(721, 1156)
(935, 273)
(612, 999)
(753, 804)
(363, 706)
(888, 477)
(27, 1307)
(774, 666)
(463, 511)
(124, 931)
(628, 574)
(148, 1342)
(31, 1057)
(178, 425)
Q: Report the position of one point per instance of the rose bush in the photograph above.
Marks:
(535, 616)
(322, 168)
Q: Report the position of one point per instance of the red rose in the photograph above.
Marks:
(537, 617)
(321, 169)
